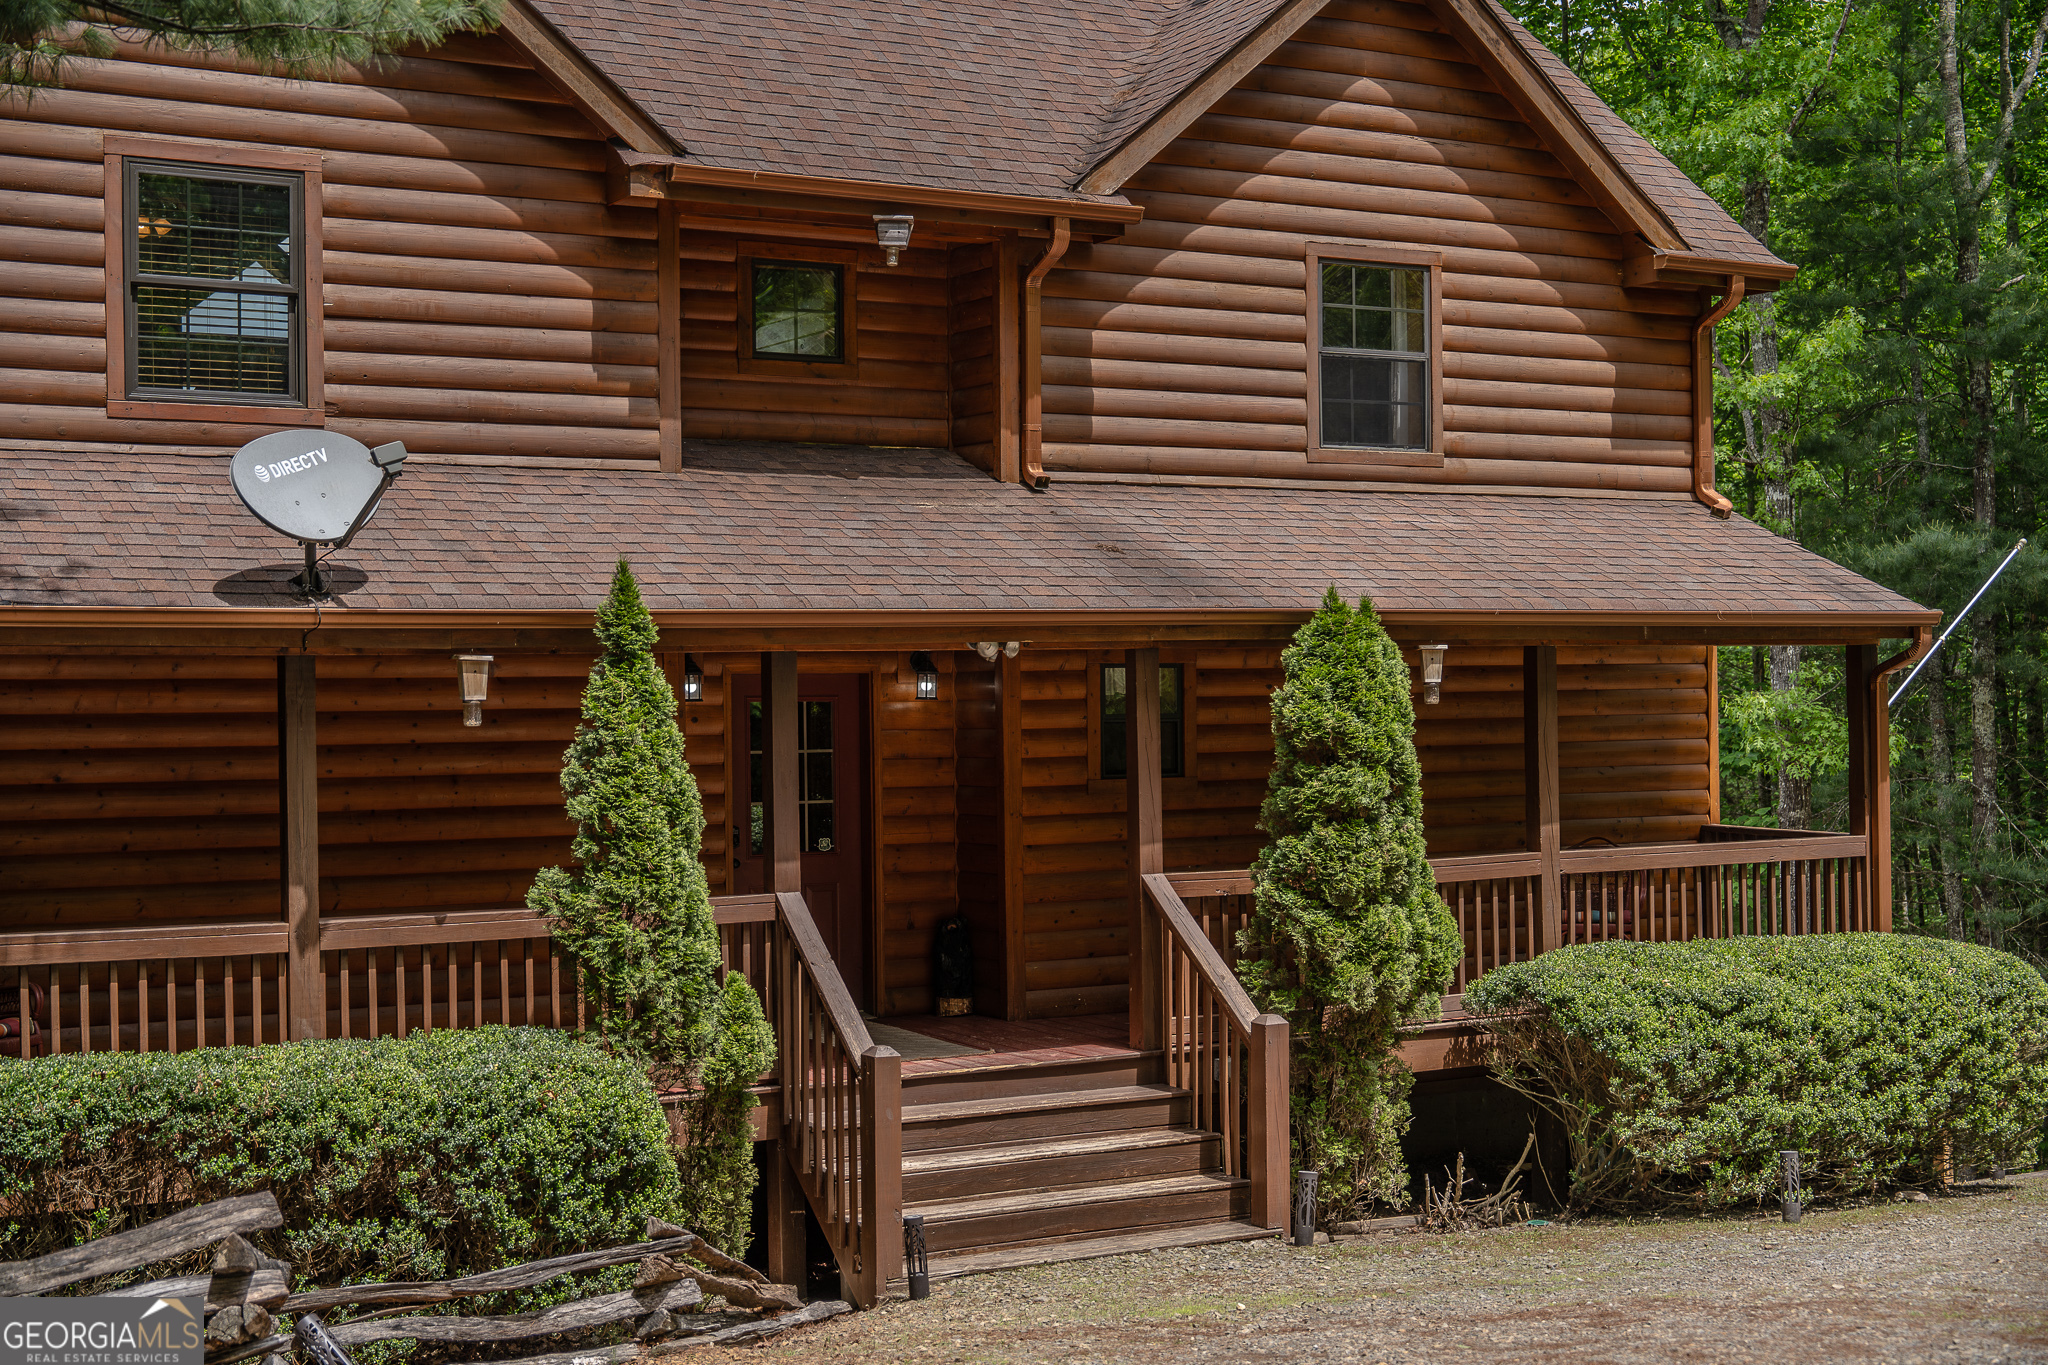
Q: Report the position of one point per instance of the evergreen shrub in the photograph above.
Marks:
(635, 912)
(439, 1154)
(1682, 1070)
(1348, 938)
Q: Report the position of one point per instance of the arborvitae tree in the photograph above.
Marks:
(299, 37)
(635, 911)
(1349, 938)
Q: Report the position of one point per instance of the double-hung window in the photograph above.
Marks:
(213, 284)
(1375, 370)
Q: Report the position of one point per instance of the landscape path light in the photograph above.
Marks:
(476, 686)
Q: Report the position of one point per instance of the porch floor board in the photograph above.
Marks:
(1017, 1042)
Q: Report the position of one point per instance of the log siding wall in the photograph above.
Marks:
(478, 289)
(1182, 347)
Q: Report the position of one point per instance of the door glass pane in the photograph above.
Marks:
(1172, 713)
(1112, 726)
(814, 768)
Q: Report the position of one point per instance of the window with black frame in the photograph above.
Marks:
(799, 310)
(1113, 721)
(215, 306)
(1374, 352)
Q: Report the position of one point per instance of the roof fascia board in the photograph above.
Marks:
(1473, 23)
(587, 88)
(1169, 123)
(669, 178)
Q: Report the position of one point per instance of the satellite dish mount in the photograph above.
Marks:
(318, 487)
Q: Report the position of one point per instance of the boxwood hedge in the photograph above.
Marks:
(439, 1154)
(1681, 1070)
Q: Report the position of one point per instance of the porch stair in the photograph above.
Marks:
(1037, 1162)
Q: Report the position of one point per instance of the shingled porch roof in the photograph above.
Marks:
(845, 529)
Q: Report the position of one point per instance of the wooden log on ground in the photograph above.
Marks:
(184, 1231)
(758, 1330)
(566, 1317)
(487, 1282)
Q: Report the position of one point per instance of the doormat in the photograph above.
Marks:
(917, 1046)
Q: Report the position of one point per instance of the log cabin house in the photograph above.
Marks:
(982, 399)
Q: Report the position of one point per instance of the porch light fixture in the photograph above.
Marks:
(927, 676)
(476, 686)
(892, 233)
(693, 679)
(1432, 673)
(988, 649)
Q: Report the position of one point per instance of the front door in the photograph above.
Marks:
(830, 727)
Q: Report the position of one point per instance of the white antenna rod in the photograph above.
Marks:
(1953, 624)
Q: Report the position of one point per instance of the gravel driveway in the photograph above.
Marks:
(1963, 1278)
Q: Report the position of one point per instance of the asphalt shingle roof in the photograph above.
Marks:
(756, 527)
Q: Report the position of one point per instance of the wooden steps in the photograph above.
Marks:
(945, 1266)
(1023, 1164)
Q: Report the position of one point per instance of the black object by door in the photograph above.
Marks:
(831, 818)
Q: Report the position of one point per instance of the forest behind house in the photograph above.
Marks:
(1884, 409)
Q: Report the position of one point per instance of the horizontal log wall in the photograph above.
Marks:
(145, 789)
(479, 291)
(137, 789)
(896, 397)
(972, 286)
(1181, 348)
(1632, 749)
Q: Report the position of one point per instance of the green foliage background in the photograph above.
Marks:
(1349, 938)
(635, 911)
(1823, 129)
(439, 1154)
(1681, 1070)
(296, 36)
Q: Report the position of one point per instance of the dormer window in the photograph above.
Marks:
(798, 310)
(1376, 359)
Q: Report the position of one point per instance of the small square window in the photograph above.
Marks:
(799, 310)
(1115, 712)
(215, 284)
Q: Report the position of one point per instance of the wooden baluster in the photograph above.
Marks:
(342, 983)
(53, 991)
(399, 986)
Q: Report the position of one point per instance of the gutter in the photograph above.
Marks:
(1034, 355)
(1703, 400)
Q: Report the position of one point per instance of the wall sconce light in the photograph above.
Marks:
(1432, 673)
(988, 649)
(927, 676)
(693, 679)
(476, 686)
(892, 232)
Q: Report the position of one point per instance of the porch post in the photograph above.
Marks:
(1010, 708)
(1543, 824)
(1143, 807)
(298, 808)
(1870, 781)
(778, 753)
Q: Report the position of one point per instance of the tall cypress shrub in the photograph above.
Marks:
(635, 911)
(1348, 938)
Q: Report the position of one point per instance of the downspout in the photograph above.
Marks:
(1703, 400)
(1034, 394)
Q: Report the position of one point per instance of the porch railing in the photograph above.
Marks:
(1231, 1059)
(842, 1104)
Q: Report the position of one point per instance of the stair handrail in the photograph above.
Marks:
(1208, 1065)
(842, 1107)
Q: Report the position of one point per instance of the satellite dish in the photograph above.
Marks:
(318, 487)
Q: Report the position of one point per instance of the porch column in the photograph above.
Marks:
(1870, 782)
(1542, 823)
(298, 809)
(778, 754)
(1144, 813)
